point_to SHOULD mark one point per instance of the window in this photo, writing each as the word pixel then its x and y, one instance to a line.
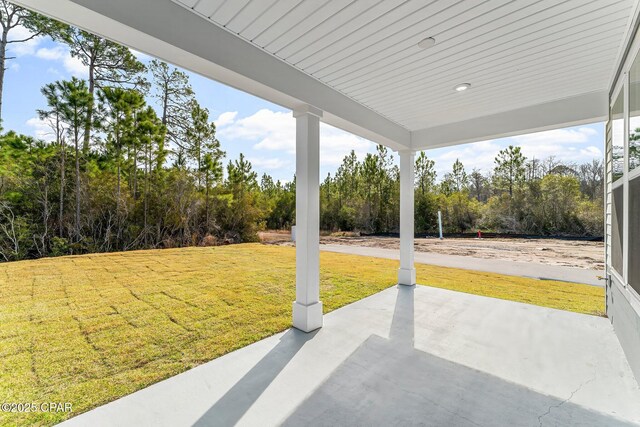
pixel 634 115
pixel 617 172
pixel 634 234
pixel 617 219
pixel 617 129
pixel 633 254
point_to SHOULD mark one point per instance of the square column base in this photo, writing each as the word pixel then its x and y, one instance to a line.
pixel 407 276
pixel 307 318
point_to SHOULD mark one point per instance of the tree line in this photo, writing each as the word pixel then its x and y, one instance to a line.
pixel 133 162
pixel 520 195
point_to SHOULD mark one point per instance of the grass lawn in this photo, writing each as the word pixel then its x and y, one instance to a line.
pixel 89 329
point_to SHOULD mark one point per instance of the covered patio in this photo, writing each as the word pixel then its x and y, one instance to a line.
pixel 410 75
pixel 405 356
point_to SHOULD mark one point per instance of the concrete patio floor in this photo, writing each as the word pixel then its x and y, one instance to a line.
pixel 405 356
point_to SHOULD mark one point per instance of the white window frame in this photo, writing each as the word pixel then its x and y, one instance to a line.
pixel 621 89
pixel 622 85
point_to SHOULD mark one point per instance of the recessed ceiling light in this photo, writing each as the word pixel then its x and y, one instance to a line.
pixel 462 87
pixel 427 43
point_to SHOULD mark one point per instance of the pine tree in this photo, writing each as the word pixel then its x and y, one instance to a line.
pixel 509 172
pixel 75 104
pixel 174 96
pixel 150 132
pixel 459 176
pixel 201 139
pixel 120 107
pixel 108 64
pixel 425 173
pixel 54 115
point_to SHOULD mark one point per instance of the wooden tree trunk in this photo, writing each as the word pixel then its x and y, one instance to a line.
pixel 3 60
pixel 118 180
pixel 77 216
pixel 89 122
pixel 135 173
pixel 146 192
pixel 62 184
pixel 207 203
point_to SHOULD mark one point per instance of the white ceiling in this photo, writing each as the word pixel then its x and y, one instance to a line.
pixel 533 64
pixel 514 53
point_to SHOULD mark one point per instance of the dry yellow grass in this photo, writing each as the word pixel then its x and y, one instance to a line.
pixel 89 329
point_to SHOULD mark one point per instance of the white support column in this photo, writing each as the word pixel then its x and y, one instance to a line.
pixel 307 308
pixel 407 272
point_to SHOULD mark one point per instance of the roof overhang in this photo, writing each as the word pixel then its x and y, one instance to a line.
pixel 172 31
pixel 167 31
pixel 578 110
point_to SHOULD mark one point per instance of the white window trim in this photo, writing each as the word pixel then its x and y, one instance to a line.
pixel 618 276
pixel 625 176
pixel 620 90
pixel 621 83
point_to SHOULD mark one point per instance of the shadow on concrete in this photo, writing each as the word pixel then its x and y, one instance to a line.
pixel 230 408
pixel 401 332
pixel 388 382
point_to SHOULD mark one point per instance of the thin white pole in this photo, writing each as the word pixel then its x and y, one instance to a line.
pixel 440 223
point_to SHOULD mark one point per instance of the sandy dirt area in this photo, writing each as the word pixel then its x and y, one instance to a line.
pixel 569 253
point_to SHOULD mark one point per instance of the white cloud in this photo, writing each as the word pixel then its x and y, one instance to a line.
pixel 40 128
pixel 591 152
pixel 557 136
pixel 477 155
pixel 335 144
pixel 51 53
pixel 15 66
pixel 56 52
pixel 565 153
pixel 276 131
pixel 24 48
pixel 73 66
pixel 226 118
pixel 55 72
pixel 269 163
pixel 566 145
pixel 268 130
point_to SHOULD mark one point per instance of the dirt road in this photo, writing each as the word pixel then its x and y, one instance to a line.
pixel 568 253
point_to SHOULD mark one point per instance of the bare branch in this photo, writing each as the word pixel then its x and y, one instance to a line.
pixel 39 33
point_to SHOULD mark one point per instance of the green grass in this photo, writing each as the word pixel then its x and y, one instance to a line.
pixel 89 329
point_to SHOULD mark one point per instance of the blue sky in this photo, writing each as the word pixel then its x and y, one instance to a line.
pixel 265 132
